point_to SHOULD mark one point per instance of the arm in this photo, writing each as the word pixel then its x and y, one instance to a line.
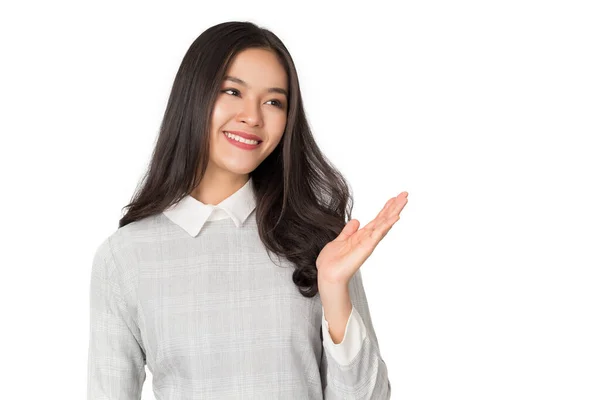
pixel 355 368
pixel 116 359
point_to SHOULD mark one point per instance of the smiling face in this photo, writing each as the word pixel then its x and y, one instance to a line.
pixel 253 100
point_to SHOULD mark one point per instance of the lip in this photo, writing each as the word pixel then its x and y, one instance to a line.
pixel 245 135
pixel 241 145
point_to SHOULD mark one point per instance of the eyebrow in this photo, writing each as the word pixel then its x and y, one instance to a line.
pixel 270 90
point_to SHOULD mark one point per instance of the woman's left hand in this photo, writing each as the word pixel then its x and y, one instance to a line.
pixel 341 258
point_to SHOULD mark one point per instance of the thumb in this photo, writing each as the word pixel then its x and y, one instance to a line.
pixel 349 229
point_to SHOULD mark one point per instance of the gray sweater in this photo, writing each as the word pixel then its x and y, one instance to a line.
pixel 192 293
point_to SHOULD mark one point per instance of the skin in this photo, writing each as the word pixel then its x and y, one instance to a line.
pixel 249 108
pixel 339 260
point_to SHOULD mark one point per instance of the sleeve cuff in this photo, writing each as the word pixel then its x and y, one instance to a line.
pixel 345 351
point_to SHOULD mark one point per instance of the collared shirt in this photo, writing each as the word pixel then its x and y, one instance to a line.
pixel 193 293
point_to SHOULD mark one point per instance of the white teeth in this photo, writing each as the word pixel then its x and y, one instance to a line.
pixel 240 139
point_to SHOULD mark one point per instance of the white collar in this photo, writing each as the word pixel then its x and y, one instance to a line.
pixel 191 214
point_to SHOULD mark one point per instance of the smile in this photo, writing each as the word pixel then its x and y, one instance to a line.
pixel 241 142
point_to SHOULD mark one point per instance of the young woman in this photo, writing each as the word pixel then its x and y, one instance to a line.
pixel 234 273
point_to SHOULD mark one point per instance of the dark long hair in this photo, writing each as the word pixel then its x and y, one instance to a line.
pixel 302 199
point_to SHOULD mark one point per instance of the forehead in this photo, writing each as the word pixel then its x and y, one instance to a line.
pixel 259 69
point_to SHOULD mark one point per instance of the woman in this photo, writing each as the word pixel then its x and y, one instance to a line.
pixel 188 284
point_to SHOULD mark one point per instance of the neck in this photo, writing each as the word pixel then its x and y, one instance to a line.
pixel 215 187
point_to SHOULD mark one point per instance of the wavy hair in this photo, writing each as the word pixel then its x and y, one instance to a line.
pixel 303 201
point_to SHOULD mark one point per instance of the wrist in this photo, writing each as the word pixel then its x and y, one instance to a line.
pixel 331 281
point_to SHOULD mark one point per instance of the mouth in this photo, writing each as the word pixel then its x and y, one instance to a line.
pixel 236 136
pixel 240 142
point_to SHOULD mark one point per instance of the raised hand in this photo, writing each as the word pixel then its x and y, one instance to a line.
pixel 341 258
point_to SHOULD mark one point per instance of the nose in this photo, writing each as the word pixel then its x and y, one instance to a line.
pixel 250 113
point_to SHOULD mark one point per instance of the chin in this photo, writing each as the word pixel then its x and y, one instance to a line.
pixel 241 170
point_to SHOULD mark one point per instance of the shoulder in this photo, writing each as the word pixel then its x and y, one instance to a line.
pixel 117 251
pixel 140 232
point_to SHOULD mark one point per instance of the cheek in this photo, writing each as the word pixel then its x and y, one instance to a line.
pixel 276 136
pixel 278 123
pixel 219 115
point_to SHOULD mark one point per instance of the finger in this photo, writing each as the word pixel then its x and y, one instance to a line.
pixel 396 204
pixel 387 206
pixel 382 215
pixel 379 232
pixel 401 201
pixel 392 207
pixel 376 222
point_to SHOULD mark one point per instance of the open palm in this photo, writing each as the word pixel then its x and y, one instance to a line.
pixel 341 258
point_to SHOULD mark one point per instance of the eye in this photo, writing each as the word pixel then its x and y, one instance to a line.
pixel 277 104
pixel 229 90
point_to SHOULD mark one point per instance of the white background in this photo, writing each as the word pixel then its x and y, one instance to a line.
pixel 487 113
